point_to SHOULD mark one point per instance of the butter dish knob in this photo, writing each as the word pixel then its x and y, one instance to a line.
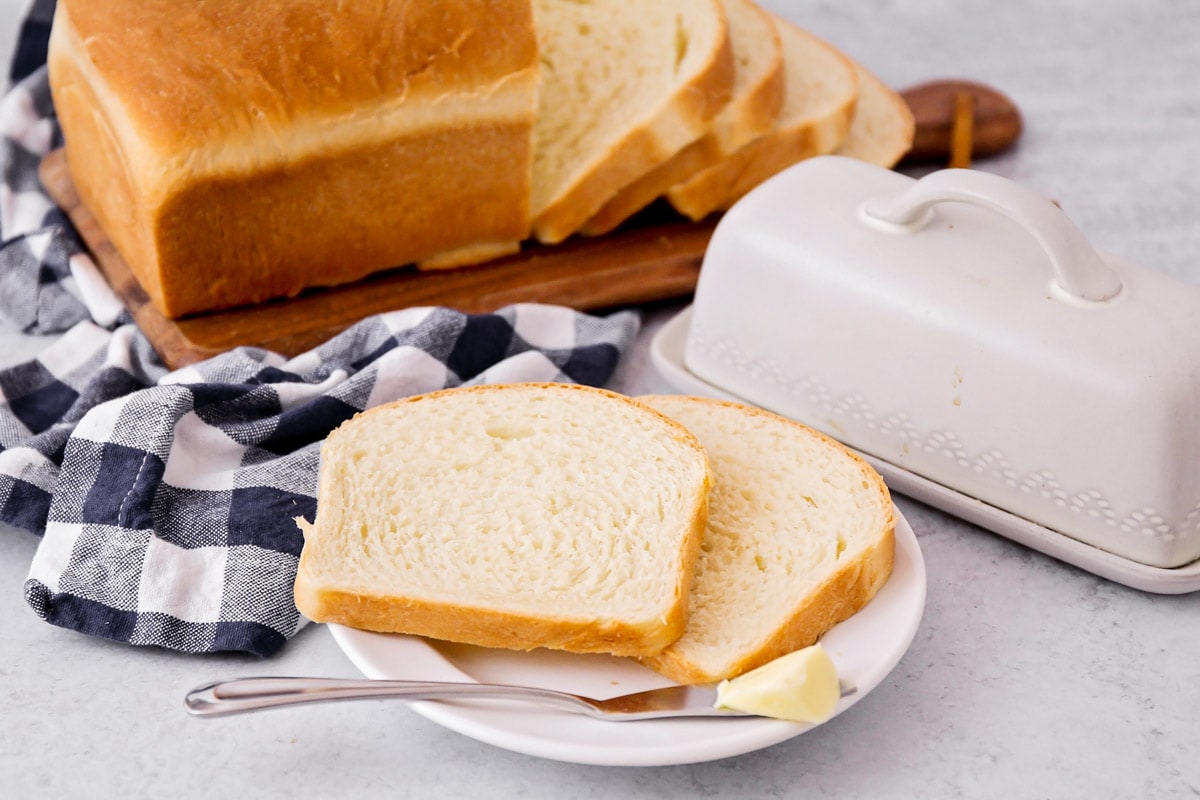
pixel 1079 270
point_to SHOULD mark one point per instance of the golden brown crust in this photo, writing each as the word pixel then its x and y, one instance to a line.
pixel 843 594
pixel 485 627
pixel 262 217
pixel 680 431
pixel 681 122
pixel 213 66
pixel 100 167
pixel 236 165
pixel 635 196
pixel 492 627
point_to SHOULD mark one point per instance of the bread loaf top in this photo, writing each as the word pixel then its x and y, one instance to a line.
pixel 228 83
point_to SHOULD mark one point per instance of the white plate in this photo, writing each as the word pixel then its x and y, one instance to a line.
pixel 667 350
pixel 865 648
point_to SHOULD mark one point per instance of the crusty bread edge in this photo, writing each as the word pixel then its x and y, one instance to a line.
pixel 855 147
pixel 679 122
pixel 745 118
pixel 754 113
pixel 721 185
pixel 492 628
pixel 839 597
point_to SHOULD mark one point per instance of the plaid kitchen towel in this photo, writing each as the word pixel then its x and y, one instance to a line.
pixel 165 500
pixel 47 281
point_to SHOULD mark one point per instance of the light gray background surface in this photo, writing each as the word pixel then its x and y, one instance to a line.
pixel 1027 678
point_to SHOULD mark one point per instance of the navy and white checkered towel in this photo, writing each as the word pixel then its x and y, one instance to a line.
pixel 165 500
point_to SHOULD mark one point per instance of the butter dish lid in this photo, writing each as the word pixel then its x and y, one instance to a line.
pixel 666 353
pixel 962 329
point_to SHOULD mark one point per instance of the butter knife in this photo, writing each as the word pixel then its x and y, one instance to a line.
pixel 223 698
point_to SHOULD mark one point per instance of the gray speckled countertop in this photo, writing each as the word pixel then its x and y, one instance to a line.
pixel 1027 677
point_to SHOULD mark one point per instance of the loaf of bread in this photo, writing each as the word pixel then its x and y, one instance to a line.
pixel 235 152
pixel 515 516
pixel 799 538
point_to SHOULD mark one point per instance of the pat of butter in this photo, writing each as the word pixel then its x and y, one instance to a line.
pixel 801 686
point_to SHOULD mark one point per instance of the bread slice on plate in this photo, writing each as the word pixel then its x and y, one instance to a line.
pixel 515 516
pixel 799 538
pixel 822 89
pixel 758 91
pixel 624 87
pixel 883 127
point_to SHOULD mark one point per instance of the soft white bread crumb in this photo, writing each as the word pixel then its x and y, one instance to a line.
pixel 758 91
pixel 822 89
pixel 518 516
pixel 799 537
pixel 623 88
pixel 883 126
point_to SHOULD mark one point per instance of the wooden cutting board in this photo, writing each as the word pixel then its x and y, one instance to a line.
pixel 657 260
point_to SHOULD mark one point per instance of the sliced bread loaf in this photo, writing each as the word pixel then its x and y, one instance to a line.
pixel 822 89
pixel 758 92
pixel 799 537
pixel 516 516
pixel 622 90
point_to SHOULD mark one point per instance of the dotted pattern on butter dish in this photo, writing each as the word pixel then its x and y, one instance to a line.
pixel 854 407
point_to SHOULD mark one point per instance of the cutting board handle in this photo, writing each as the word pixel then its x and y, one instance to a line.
pixel 1079 271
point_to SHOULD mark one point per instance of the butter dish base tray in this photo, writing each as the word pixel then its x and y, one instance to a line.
pixel 667 355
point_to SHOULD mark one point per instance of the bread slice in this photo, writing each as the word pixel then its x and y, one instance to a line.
pixel 799 537
pixel 238 152
pixel 514 516
pixel 624 88
pixel 883 127
pixel 758 92
pixel 822 89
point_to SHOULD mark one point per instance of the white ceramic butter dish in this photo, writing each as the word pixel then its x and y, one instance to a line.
pixel 960 332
